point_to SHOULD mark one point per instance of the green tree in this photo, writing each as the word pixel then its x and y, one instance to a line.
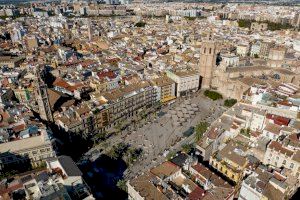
pixel 171 155
pixel 133 154
pixel 101 136
pixel 190 18
pixel 245 132
pixel 121 184
pixel 140 24
pixel 229 102
pixel 244 23
pixel 187 148
pixel 113 154
pixel 213 95
pixel 200 130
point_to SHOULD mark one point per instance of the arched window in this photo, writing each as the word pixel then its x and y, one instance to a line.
pixel 209 50
pixel 204 50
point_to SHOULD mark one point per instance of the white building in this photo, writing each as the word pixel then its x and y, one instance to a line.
pixel 278 155
pixel 255 119
pixel 186 81
pixel 255 48
pixel 229 60
pixel 242 50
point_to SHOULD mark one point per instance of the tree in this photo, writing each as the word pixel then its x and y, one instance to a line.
pixel 140 24
pixel 170 155
pixel 244 23
pixel 229 102
pixel 213 95
pixel 133 154
pixel 245 132
pixel 113 154
pixel 190 18
pixel 101 136
pixel 187 148
pixel 200 130
pixel 121 184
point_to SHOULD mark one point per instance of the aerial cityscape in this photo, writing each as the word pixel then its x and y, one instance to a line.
pixel 149 100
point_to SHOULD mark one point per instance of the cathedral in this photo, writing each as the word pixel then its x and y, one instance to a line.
pixel 234 75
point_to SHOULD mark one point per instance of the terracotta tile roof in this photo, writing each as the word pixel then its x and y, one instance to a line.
pixel 209 175
pixel 165 169
pixel 279 148
pixel 109 74
pixel 278 119
pixel 197 194
pixel 272 193
pixel 143 185
pixel 273 128
pixel 296 156
pixel 59 82
pixel 19 128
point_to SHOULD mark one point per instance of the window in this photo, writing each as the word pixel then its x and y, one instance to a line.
pixel 42 150
pixel 204 50
pixel 292 165
pixel 209 50
pixel 284 162
pixel 232 176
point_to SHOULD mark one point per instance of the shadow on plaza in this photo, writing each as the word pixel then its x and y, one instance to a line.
pixel 102 175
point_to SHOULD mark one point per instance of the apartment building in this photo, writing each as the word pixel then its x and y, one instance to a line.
pixel 59 179
pixel 255 26
pixel 186 81
pixel 278 156
pixel 10 62
pixel 165 89
pixel 265 184
pixel 36 149
pixel 83 119
pixel 129 101
pixel 255 48
pixel 242 50
pixel 255 118
pixel 231 161
pixel 265 49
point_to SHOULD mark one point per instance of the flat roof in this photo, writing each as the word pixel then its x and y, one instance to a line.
pixel 19 145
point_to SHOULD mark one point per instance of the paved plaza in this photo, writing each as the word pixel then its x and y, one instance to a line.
pixel 163 131
pixel 166 132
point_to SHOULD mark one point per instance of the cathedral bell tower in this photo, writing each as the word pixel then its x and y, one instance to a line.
pixel 208 57
pixel 42 97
